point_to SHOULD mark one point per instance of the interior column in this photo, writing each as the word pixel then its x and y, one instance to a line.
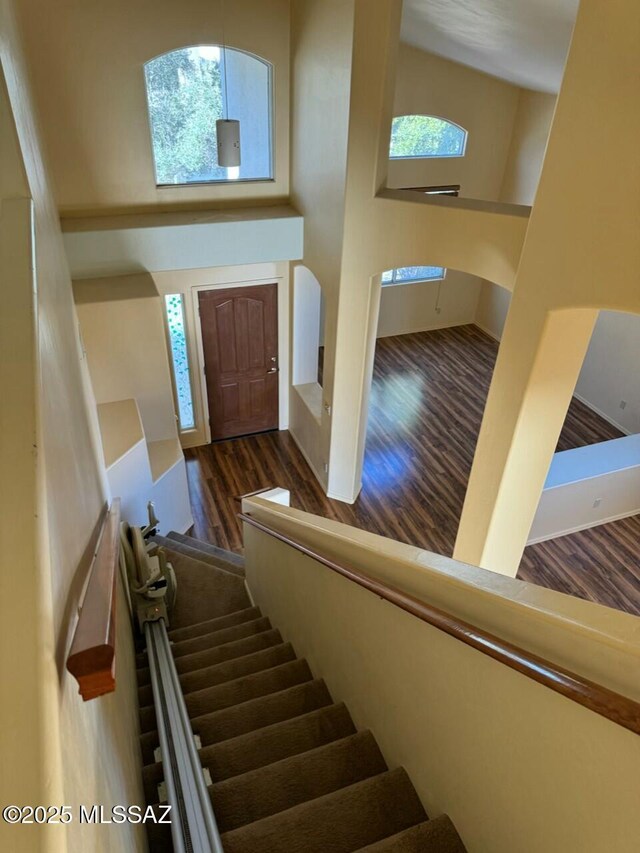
pixel 535 375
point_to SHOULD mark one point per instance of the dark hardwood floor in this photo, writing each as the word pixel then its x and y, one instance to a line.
pixel 427 400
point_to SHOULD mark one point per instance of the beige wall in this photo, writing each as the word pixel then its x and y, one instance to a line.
pixel 581 254
pixel 123 333
pixel 516 766
pixel 321 66
pixel 351 236
pixel 486 107
pixel 55 748
pixel 528 142
pixel 520 182
pixel 87 56
pixel 608 375
pixel 483 105
pixel 491 310
pixel 428 305
pixel 388 230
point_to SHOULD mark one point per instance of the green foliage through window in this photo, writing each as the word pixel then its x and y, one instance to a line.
pixel 426 136
pixel 185 95
pixel 180 359
pixel 405 275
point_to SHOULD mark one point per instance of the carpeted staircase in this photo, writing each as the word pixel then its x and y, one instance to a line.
pixel 289 770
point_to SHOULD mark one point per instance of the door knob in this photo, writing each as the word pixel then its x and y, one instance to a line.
pixel 274 370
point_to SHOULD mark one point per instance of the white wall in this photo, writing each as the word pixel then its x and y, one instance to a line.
pixel 307 303
pixel 587 486
pixel 130 477
pixel 610 374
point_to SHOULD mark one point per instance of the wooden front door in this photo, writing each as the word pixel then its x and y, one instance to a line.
pixel 240 343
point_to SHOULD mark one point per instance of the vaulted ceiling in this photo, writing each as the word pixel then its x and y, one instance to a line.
pixel 522 41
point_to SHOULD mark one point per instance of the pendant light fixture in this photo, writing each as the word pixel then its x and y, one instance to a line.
pixel 227 129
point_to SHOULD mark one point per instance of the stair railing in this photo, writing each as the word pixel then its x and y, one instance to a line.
pixel 92 657
pixel 615 707
pixel 193 823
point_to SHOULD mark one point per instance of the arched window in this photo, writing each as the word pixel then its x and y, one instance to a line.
pixel 186 94
pixel 426 136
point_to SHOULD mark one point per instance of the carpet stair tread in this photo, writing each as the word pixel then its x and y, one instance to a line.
pixel 339 822
pixel 260 712
pixel 249 716
pixel 236 692
pixel 289 772
pixel 204 591
pixel 175 546
pixel 209 626
pixel 230 634
pixel 199 679
pixel 219 654
pixel 432 836
pixel 219 638
pixel 208 548
pixel 250 751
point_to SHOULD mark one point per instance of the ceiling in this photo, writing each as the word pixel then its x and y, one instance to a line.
pixel 522 41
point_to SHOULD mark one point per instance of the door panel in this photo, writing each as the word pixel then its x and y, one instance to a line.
pixel 240 343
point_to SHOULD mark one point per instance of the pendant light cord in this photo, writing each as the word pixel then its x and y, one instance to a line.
pixel 224 60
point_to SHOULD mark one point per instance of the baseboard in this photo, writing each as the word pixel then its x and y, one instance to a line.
pixel 602 414
pixel 350 500
pixel 486 330
pixel 252 600
pixel 426 329
pixel 580 527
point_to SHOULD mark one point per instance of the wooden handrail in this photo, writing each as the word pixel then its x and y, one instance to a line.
pixel 615 707
pixel 92 659
pixel 257 492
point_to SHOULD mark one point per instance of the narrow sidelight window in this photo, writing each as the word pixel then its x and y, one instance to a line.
pixel 180 359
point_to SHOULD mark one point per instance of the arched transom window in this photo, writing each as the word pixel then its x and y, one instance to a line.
pixel 186 94
pixel 426 136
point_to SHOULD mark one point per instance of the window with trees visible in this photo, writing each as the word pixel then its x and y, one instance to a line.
pixel 426 136
pixel 407 275
pixel 186 94
pixel 180 359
